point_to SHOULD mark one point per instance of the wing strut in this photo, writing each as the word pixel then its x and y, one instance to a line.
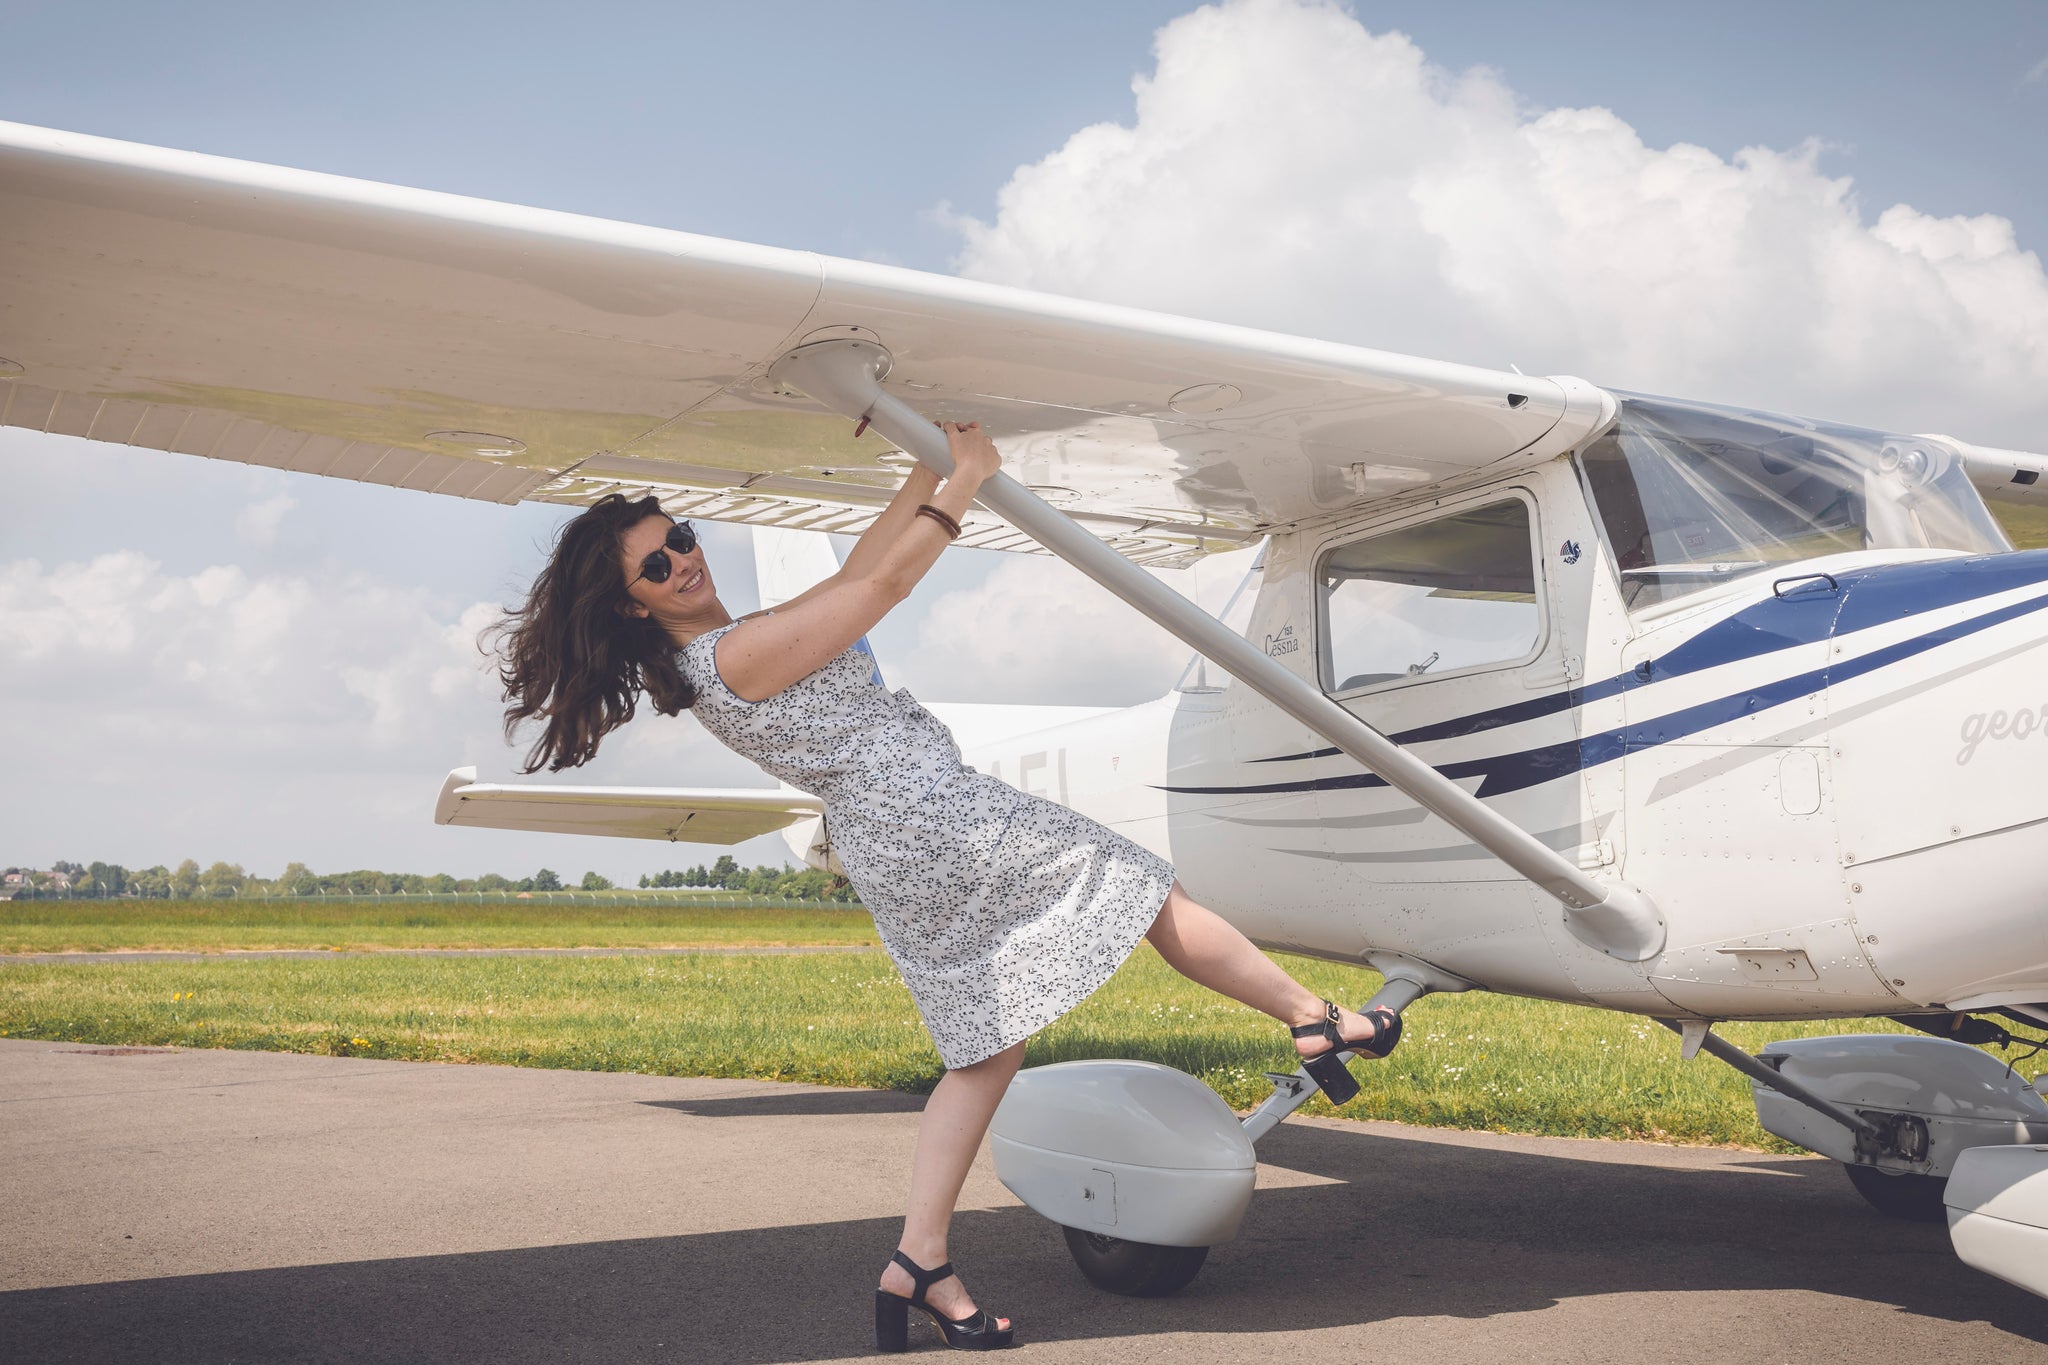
pixel 1619 920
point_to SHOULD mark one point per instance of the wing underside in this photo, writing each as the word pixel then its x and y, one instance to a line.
pixel 341 327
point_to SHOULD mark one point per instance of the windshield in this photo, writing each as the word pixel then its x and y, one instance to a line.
pixel 1692 495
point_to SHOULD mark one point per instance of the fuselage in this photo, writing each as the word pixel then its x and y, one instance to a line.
pixel 1826 773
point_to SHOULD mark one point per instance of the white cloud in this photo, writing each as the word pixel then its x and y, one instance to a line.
pixel 2036 73
pixel 151 716
pixel 1286 168
pixel 258 522
pixel 282 653
pixel 1034 631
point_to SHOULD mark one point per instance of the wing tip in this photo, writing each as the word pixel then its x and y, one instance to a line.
pixel 450 799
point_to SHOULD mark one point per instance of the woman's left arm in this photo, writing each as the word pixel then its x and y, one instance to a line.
pixel 881 533
pixel 874 542
pixel 763 655
pixel 873 545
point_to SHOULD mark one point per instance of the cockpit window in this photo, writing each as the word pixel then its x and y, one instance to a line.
pixel 1692 495
pixel 1429 599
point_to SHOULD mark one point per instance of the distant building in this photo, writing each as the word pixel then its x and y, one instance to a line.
pixel 16 880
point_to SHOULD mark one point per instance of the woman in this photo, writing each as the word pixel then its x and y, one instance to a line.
pixel 1002 911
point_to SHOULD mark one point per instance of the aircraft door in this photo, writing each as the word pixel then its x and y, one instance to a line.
pixel 1440 630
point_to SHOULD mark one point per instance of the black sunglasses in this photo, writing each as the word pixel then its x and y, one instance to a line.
pixel 682 538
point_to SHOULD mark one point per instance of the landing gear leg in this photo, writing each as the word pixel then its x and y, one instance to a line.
pixel 1291 1090
pixel 1870 1139
pixel 1906 1194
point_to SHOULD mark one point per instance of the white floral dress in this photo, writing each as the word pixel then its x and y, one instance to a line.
pixel 1002 911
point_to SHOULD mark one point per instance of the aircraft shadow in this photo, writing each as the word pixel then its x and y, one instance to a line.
pixel 1418 1229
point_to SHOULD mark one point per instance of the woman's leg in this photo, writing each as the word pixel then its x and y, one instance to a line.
pixel 955 1120
pixel 1206 949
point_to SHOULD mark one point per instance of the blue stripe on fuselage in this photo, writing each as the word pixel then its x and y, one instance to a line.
pixel 1762 628
pixel 1805 615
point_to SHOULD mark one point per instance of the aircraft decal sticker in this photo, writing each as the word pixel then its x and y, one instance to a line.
pixel 1999 726
pixel 1569 552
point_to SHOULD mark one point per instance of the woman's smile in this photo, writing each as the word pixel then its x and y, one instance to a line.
pixel 667 581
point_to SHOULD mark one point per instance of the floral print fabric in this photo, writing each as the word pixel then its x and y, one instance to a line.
pixel 1002 910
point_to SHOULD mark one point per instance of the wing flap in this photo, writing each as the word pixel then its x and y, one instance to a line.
pixel 690 815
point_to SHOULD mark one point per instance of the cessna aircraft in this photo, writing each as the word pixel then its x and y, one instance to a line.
pixel 1682 711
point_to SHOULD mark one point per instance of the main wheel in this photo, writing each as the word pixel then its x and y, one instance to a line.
pixel 1916 1198
pixel 1138 1269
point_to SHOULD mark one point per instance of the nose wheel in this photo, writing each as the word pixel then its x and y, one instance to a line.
pixel 1134 1269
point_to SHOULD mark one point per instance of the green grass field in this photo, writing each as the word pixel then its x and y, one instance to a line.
pixel 621 920
pixel 2026 527
pixel 1472 1061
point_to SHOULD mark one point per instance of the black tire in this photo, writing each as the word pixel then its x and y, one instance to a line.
pixel 1135 1269
pixel 1915 1198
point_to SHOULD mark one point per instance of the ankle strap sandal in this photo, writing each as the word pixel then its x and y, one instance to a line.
pixel 1331 1076
pixel 978 1331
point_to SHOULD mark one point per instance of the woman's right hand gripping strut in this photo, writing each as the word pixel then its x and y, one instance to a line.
pixel 762 655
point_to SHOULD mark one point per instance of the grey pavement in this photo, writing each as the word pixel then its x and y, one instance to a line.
pixel 234 1206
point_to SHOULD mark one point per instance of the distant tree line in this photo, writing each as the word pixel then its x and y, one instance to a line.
pixel 189 881
pixel 808 884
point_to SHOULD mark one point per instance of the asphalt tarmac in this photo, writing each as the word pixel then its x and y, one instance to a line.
pixel 323 954
pixel 172 1206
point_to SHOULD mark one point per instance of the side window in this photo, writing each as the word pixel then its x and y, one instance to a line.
pixel 1212 576
pixel 1455 593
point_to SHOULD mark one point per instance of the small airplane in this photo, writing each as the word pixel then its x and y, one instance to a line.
pixel 1512 683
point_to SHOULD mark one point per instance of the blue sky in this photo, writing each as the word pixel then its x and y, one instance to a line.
pixel 871 131
pixel 836 126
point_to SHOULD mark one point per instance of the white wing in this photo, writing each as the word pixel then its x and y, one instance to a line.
pixel 310 322
pixel 688 815
pixel 2013 476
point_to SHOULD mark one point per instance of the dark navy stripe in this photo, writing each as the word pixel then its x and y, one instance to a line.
pixel 1534 708
pixel 1909 589
pixel 1808 613
pixel 1515 772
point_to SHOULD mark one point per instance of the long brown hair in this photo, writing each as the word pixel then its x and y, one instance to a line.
pixel 571 654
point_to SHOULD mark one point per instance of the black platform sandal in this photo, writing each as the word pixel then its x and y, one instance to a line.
pixel 1331 1076
pixel 975 1332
